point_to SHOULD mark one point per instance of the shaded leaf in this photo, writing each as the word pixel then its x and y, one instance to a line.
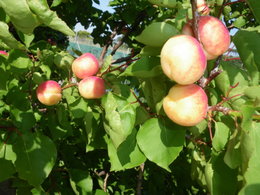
pixel 36 156
pixel 119 118
pixel 127 155
pixel 146 67
pixel 8 38
pixel 162 136
pixel 49 17
pixel 20 15
pixel 248 46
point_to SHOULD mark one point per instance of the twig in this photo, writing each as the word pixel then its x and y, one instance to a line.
pixel 69 85
pixel 140 179
pixel 230 59
pixel 221 9
pixel 203 82
pixel 105 182
pixel 195 20
pixel 109 42
pixel 238 1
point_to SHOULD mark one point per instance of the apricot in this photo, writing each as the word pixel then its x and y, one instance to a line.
pixel 186 105
pixel 213 35
pixel 3 52
pixel 92 87
pixel 49 93
pixel 183 59
pixel 85 65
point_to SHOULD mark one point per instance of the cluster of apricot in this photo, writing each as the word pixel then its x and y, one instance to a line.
pixel 90 86
pixel 184 60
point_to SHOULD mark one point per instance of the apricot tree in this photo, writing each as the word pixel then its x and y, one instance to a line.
pixel 178 115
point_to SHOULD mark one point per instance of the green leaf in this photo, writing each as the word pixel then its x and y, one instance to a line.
pixel 155 89
pixel 239 22
pixel 252 169
pixel 20 14
pixel 221 136
pixel 150 51
pixel 162 136
pixel 36 156
pixel 78 108
pixel 233 155
pixel 119 118
pixel 247 111
pixel 56 3
pixel 156 34
pixel 254 94
pixel 27 39
pixel 127 155
pixel 81 181
pixel 7 169
pixel 19 61
pixel 63 60
pixel 146 67
pixel 231 76
pixel 164 3
pixel 255 7
pixel 8 38
pixel 24 120
pixel 248 45
pixel 106 64
pixel 220 178
pixel 49 17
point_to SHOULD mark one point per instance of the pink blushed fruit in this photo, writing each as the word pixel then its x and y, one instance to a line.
pixel 213 35
pixel 49 93
pixel 3 53
pixel 85 65
pixel 186 105
pixel 183 59
pixel 92 87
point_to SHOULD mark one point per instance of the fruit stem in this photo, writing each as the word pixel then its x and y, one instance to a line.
pixel 69 85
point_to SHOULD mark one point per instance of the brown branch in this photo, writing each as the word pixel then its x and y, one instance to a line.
pixel 203 82
pixel 221 9
pixel 195 20
pixel 109 42
pixel 140 180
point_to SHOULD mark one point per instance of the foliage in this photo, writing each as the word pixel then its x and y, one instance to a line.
pixel 123 143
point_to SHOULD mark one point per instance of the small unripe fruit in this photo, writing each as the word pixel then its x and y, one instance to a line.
pixel 183 59
pixel 85 65
pixel 49 93
pixel 92 87
pixel 213 35
pixel 202 7
pixel 186 105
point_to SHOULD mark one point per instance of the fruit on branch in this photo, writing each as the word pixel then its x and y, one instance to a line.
pixel 49 93
pixel 213 34
pixel 202 7
pixel 3 53
pixel 92 87
pixel 183 59
pixel 85 65
pixel 186 105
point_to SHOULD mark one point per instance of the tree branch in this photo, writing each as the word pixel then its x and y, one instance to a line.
pixel 140 179
pixel 203 82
